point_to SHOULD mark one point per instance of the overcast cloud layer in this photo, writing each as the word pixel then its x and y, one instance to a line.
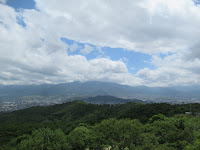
pixel 35 54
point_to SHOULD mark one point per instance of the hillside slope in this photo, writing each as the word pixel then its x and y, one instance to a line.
pixel 69 115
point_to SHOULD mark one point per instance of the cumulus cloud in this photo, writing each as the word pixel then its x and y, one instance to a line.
pixel 73 47
pixel 3 1
pixel 148 26
pixel 170 71
pixel 153 27
pixel 193 52
pixel 26 59
pixel 87 49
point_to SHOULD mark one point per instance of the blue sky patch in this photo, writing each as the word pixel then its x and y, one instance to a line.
pixel 197 2
pixel 67 41
pixel 133 60
pixel 42 39
pixel 21 22
pixel 21 4
pixel 80 46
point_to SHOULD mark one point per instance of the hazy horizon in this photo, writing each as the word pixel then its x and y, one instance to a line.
pixel 100 82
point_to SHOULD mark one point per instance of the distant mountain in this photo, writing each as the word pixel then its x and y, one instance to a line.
pixel 94 88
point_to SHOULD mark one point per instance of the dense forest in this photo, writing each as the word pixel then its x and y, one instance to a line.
pixel 78 126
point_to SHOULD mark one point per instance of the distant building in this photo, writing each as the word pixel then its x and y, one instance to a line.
pixel 190 113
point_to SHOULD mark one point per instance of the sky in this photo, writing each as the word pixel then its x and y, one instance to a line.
pixel 152 43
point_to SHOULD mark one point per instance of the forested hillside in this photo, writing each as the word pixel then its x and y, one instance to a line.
pixel 78 125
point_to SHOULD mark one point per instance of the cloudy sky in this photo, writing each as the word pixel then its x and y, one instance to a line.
pixel 131 42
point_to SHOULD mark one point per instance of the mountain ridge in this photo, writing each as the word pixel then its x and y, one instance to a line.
pixel 94 88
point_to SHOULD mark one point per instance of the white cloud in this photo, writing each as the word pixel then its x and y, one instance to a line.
pixel 74 47
pixel 26 59
pixel 146 26
pixel 3 1
pixel 87 49
pixel 194 52
pixel 171 70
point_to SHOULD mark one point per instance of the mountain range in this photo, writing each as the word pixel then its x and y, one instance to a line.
pixel 94 88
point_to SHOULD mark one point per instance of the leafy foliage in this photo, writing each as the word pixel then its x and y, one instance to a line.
pixel 78 125
pixel 42 139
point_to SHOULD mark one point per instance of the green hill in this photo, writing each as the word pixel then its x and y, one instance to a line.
pixel 96 126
